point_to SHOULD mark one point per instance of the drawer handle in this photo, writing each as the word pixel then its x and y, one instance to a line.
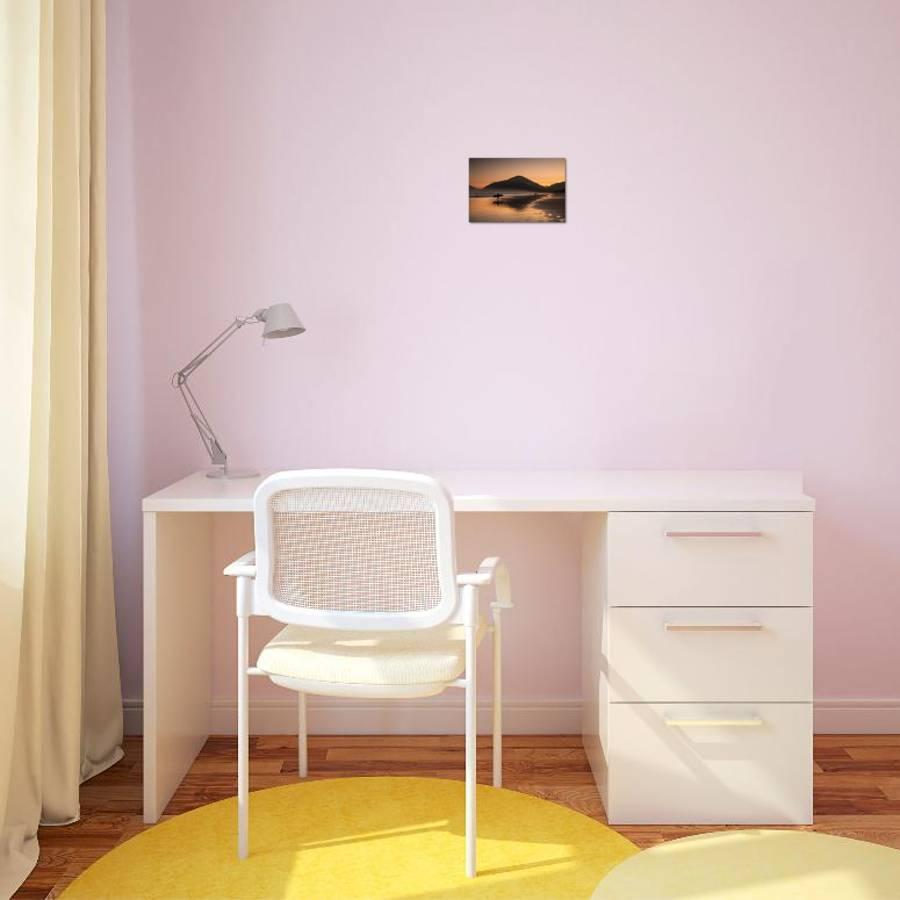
pixel 751 722
pixel 712 534
pixel 735 626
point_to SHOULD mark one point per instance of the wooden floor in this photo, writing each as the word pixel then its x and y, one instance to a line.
pixel 857 787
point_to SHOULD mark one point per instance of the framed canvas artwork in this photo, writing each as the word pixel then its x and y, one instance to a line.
pixel 517 189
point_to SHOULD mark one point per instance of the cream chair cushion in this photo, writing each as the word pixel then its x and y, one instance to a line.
pixel 378 658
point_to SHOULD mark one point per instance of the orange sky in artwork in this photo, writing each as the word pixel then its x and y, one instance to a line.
pixel 543 171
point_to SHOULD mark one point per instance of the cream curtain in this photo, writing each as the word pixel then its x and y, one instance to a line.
pixel 60 703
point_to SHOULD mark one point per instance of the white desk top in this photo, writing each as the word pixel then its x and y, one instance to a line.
pixel 546 491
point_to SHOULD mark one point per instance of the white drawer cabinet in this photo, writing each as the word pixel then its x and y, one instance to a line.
pixel 709 559
pixel 725 654
pixel 697 663
pixel 673 763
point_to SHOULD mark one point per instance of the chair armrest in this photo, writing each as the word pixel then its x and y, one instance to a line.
pixel 245 566
pixel 491 571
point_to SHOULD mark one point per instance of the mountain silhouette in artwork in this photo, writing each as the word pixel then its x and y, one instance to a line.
pixel 516 183
pixel 521 183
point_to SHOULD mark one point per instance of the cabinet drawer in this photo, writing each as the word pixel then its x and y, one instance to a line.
pixel 724 654
pixel 722 764
pixel 709 559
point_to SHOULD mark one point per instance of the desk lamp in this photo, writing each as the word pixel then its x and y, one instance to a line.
pixel 279 321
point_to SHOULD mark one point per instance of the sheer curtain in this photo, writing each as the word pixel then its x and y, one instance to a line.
pixel 60 702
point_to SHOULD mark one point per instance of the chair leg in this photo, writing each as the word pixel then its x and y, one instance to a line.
pixel 471 738
pixel 243 738
pixel 497 741
pixel 302 757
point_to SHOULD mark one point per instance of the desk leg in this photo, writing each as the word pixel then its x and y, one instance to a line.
pixel 594 650
pixel 177 588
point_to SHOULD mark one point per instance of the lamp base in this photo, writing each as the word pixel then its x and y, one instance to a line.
pixel 223 472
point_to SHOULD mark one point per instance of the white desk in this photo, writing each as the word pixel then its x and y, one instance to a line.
pixel 179 573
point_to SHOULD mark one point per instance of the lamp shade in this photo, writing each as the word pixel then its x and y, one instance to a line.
pixel 281 321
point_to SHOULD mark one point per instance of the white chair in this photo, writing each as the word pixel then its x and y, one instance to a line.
pixel 360 565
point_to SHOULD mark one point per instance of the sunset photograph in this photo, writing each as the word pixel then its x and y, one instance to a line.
pixel 517 189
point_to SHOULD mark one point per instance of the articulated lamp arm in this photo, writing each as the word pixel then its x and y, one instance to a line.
pixel 279 321
pixel 217 455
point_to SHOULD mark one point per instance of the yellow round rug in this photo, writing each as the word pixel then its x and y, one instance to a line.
pixel 757 865
pixel 363 837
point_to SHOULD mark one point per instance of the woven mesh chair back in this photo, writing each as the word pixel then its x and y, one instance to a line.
pixel 354 549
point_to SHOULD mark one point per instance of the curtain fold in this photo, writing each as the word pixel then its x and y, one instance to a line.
pixel 60 700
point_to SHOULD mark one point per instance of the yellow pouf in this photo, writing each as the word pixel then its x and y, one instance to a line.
pixel 757 865
pixel 363 837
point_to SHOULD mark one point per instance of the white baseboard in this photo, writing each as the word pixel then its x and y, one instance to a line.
pixel 334 716
pixel 857 716
pixel 443 716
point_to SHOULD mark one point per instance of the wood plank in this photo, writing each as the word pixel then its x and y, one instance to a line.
pixel 890 787
pixel 880 753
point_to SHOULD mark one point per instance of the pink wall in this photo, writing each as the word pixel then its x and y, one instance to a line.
pixel 725 294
